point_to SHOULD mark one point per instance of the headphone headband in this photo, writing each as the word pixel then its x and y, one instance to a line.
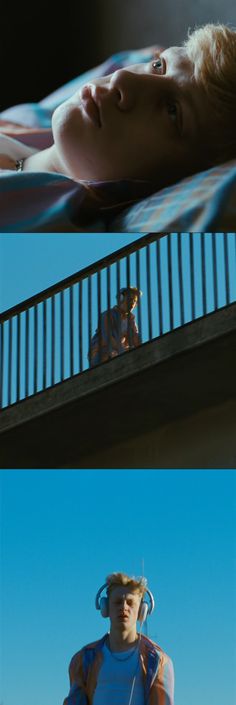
pixel 150 607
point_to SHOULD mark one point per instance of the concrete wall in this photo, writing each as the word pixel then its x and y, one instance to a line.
pixel 204 440
pixel 123 24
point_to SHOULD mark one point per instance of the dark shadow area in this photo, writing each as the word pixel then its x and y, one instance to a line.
pixel 44 46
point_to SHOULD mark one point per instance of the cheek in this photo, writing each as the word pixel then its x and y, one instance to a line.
pixel 67 128
pixel 84 151
pixel 127 147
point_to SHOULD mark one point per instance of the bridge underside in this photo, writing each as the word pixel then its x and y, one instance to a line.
pixel 172 377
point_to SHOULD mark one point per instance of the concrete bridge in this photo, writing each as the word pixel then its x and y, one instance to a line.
pixel 171 403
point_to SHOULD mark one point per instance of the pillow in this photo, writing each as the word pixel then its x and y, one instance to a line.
pixel 203 202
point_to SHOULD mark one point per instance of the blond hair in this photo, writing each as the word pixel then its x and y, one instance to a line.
pixel 136 584
pixel 212 49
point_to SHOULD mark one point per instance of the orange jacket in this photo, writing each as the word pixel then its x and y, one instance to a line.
pixel 157 669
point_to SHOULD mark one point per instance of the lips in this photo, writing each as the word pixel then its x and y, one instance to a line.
pixel 90 106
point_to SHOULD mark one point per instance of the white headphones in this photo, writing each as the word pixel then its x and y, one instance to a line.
pixel 102 604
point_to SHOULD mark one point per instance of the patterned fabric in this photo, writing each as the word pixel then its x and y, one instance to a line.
pixel 111 339
pixel 157 670
pixel 203 202
pixel 40 202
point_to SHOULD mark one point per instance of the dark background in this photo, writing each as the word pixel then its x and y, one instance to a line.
pixel 42 46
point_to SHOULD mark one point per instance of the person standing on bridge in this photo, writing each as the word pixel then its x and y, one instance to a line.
pixel 117 331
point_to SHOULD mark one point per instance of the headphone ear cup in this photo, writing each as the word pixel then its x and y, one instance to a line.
pixel 143 611
pixel 104 606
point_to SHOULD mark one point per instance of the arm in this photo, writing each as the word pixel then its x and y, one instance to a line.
pixel 108 331
pixel 77 693
pixel 162 691
pixel 136 340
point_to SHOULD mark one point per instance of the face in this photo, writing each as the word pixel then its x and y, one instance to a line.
pixel 128 303
pixel 144 122
pixel 123 607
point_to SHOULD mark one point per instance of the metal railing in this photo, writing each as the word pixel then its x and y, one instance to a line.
pixel 46 339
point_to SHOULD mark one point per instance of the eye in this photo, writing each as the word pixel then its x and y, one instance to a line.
pixel 159 65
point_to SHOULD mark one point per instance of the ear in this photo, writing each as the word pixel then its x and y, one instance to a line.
pixel 104 606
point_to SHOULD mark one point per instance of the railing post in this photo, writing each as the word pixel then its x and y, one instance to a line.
pixel 117 293
pixel 192 283
pixel 35 348
pixel 214 268
pixel 71 331
pixel 170 283
pixel 18 356
pixel 89 317
pixel 108 282
pixel 203 268
pixel 226 263
pixel 1 363
pixel 52 340
pixel 149 298
pixel 129 299
pixel 62 334
pixel 81 326
pixel 139 287
pixel 180 277
pixel 27 353
pixel 159 285
pixel 9 361
pixel 44 344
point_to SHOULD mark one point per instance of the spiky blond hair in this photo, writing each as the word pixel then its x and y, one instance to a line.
pixel 212 49
pixel 136 584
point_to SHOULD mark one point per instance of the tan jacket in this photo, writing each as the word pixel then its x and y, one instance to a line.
pixel 157 667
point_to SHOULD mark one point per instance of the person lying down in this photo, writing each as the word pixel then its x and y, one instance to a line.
pixel 159 121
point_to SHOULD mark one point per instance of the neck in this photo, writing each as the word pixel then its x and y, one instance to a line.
pixel 123 312
pixel 122 641
pixel 45 160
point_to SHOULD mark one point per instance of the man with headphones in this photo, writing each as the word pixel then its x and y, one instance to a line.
pixel 117 331
pixel 124 667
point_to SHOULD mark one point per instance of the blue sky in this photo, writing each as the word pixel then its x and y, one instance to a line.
pixel 30 263
pixel 64 531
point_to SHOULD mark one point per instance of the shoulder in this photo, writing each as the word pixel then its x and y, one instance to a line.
pixel 109 312
pixel 151 647
pixel 160 669
pixel 14 145
pixel 77 659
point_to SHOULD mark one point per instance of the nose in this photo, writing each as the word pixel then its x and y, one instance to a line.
pixel 126 85
pixel 137 86
pixel 124 603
